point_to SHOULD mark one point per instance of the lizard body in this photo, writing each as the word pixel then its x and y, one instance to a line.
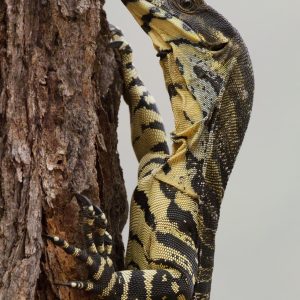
pixel 176 206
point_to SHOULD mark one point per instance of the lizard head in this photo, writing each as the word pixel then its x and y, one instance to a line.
pixel 199 49
pixel 193 20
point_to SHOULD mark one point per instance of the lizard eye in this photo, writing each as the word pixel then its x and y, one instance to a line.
pixel 187 5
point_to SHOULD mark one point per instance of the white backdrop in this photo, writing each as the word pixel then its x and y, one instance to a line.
pixel 258 242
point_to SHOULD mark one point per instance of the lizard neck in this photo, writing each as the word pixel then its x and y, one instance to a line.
pixel 186 109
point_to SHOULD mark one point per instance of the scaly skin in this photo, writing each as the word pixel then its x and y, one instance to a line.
pixel 176 206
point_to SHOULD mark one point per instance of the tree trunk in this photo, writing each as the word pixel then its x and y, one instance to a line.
pixel 59 99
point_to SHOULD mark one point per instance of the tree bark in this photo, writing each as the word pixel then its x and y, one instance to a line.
pixel 59 98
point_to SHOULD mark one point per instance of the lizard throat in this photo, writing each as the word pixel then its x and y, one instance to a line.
pixel 186 109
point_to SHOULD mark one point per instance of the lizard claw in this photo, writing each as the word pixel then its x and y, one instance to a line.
pixel 85 203
pixel 98 248
pixel 115 30
pixel 117 40
pixel 116 44
pixel 81 285
pixel 82 200
pixel 51 238
pixel 72 284
pixel 68 284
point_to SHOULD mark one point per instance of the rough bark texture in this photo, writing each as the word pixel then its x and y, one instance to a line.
pixel 59 98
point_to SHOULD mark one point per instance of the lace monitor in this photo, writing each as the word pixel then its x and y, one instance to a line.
pixel 176 205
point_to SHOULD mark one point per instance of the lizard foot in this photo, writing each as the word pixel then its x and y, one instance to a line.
pixel 97 256
pixel 117 40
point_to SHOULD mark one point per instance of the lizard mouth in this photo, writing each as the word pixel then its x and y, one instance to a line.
pixel 215 47
pixel 218 47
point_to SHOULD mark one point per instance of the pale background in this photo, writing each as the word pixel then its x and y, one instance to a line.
pixel 258 242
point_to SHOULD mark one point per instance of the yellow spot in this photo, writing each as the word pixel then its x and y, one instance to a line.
pixel 89 261
pixel 109 262
pixel 76 252
pixel 101 249
pixel 90 222
pixel 90 286
pixel 93 249
pixel 65 245
pixel 175 287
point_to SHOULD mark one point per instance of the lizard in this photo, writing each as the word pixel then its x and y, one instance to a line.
pixel 175 207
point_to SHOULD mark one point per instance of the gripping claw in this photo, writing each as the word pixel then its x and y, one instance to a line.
pixel 68 284
pixel 116 44
pixel 72 284
pixel 115 30
pixel 82 200
pixel 98 247
pixel 118 41
pixel 51 238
